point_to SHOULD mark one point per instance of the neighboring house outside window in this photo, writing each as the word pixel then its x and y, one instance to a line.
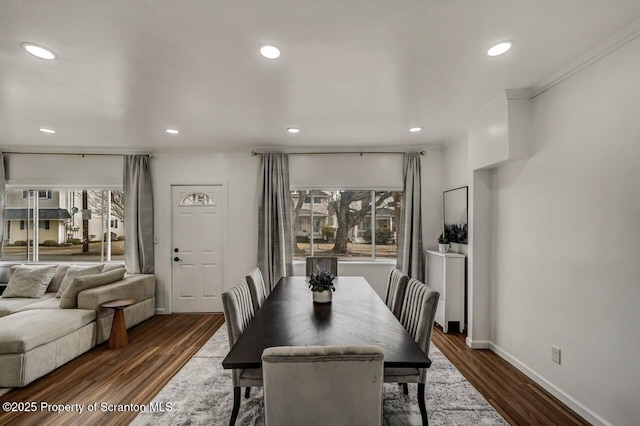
pixel 61 222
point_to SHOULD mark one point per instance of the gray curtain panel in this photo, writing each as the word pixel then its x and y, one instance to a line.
pixel 274 219
pixel 3 199
pixel 410 255
pixel 138 215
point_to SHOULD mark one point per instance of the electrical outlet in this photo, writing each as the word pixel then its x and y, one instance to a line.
pixel 555 354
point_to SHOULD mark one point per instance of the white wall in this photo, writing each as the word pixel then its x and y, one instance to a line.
pixel 490 133
pixel 566 242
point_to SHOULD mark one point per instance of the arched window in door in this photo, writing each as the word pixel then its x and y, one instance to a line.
pixel 197 199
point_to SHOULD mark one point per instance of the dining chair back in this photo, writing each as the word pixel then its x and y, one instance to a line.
pixel 419 312
pixel 256 288
pixel 394 294
pixel 238 312
pixel 417 316
pixel 319 263
pixel 323 385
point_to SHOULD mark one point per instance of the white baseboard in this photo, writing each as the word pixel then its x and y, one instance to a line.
pixel 477 344
pixel 161 311
pixel 564 397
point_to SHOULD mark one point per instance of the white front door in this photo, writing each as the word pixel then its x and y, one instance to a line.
pixel 197 224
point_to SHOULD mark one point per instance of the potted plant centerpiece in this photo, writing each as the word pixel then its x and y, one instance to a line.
pixel 321 285
pixel 443 243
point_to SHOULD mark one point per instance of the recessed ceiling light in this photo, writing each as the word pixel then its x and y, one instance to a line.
pixel 45 130
pixel 172 131
pixel 500 48
pixel 415 129
pixel 293 130
pixel 39 51
pixel 269 51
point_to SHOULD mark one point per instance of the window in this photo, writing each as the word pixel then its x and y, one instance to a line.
pixel 356 225
pixel 197 199
pixel 41 194
pixel 63 225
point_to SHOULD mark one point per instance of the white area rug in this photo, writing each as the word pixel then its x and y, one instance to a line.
pixel 202 394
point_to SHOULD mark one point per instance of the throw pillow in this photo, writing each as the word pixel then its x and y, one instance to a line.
pixel 111 266
pixel 77 271
pixel 70 297
pixel 61 271
pixel 29 281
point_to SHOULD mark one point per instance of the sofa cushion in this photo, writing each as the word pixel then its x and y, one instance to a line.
pixel 77 271
pixel 111 266
pixel 23 331
pixel 61 271
pixel 50 302
pixel 8 306
pixel 29 281
pixel 69 298
pixel 138 286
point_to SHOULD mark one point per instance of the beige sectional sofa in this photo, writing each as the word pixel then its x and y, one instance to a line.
pixel 37 335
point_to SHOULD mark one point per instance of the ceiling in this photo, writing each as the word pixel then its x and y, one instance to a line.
pixel 352 73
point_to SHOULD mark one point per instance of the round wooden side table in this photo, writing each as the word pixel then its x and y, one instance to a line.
pixel 118 338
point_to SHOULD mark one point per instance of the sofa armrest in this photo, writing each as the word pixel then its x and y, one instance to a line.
pixel 140 287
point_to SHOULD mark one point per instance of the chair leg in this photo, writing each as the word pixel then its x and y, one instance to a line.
pixel 422 404
pixel 247 392
pixel 405 388
pixel 236 405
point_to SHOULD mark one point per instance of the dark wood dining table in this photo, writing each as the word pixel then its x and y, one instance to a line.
pixel 356 316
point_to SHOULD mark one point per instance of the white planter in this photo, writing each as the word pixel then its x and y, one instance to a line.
pixel 322 296
pixel 443 248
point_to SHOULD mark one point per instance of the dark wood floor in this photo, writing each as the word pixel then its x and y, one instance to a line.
pixel 515 396
pixel 159 347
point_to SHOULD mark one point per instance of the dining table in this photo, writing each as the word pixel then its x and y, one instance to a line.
pixel 355 316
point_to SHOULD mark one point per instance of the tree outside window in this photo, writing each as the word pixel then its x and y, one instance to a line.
pixel 348 224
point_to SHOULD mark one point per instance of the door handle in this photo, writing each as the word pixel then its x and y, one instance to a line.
pixel 176 259
pixel 176 249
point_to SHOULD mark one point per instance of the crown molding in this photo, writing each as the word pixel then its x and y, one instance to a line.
pixel 625 36
pixel 518 93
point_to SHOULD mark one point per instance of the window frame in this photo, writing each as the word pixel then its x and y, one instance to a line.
pixel 373 258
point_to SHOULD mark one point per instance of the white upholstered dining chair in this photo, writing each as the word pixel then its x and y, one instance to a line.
pixel 238 312
pixel 323 385
pixel 417 316
pixel 394 293
pixel 256 288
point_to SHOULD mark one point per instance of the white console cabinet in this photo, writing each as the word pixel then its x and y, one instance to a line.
pixel 445 273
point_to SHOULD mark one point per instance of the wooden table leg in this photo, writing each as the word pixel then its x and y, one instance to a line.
pixel 118 338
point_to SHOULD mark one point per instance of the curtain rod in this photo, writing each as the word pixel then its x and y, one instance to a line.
pixel 150 155
pixel 360 153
